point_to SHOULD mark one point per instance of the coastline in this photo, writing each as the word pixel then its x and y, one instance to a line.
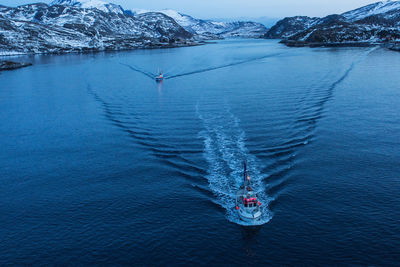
pixel 97 50
pixel 395 48
pixel 11 65
pixel 6 65
pixel 292 43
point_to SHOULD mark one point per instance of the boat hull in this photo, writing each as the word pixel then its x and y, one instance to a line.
pixel 249 218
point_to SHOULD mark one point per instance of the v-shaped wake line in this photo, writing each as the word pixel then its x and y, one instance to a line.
pixel 145 73
pixel 303 127
pixel 313 108
pixel 222 66
pixel 130 124
pixel 152 75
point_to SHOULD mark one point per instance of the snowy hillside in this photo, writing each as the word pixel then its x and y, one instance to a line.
pixel 181 19
pixel 386 8
pixel 39 28
pixel 373 23
pixel 101 5
pixel 289 26
pixel 209 28
pixel 204 29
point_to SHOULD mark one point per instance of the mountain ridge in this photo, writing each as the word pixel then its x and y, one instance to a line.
pixel 40 28
pixel 204 29
pixel 101 5
pixel 375 23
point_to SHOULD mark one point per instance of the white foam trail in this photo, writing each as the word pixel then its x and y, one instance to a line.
pixel 225 151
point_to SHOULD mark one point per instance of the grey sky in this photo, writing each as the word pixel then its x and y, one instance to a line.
pixel 235 8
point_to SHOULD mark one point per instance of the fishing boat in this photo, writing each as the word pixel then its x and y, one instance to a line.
pixel 247 204
pixel 159 77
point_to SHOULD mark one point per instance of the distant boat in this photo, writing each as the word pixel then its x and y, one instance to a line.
pixel 247 204
pixel 160 77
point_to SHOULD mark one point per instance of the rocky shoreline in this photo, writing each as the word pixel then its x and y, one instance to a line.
pixel 293 43
pixel 10 65
pixel 395 48
pixel 126 47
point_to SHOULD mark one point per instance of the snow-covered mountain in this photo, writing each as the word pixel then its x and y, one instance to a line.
pixel 39 28
pixel 388 9
pixel 208 28
pixel 101 5
pixel 372 23
pixel 185 21
pixel 203 29
pixel 289 26
pixel 224 29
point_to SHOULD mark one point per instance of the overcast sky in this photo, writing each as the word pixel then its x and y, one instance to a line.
pixel 235 8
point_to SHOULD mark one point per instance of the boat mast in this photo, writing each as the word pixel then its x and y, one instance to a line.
pixel 244 173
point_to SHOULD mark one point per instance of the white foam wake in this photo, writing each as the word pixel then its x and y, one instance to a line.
pixel 225 151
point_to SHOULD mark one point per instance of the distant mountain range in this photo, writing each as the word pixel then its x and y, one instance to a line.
pixel 265 20
pixel 95 25
pixel 203 29
pixel 369 24
pixel 214 29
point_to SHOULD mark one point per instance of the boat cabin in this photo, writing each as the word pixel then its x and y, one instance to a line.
pixel 250 200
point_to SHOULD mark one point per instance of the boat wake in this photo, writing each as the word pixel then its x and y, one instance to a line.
pixel 225 151
pixel 313 104
pixel 224 141
pixel 225 148
pixel 119 112
pixel 311 109
pixel 170 75
pixel 222 66
pixel 139 70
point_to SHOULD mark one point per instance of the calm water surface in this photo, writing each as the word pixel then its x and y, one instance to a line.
pixel 101 165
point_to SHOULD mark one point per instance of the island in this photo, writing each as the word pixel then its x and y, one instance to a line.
pixel 10 65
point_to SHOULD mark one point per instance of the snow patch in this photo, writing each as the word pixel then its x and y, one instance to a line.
pixel 373 9
pixel 98 4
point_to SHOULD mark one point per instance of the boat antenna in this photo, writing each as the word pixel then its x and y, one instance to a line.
pixel 244 172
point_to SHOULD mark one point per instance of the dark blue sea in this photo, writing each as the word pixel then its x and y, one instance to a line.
pixel 100 165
